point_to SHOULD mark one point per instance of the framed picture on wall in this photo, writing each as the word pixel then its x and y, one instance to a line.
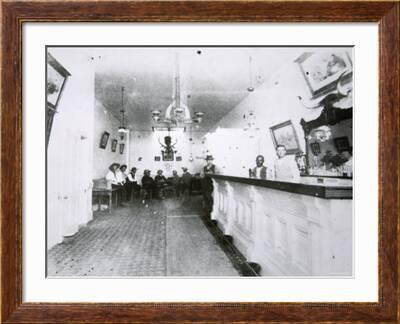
pixel 114 145
pixel 179 158
pixel 341 143
pixel 157 158
pixel 315 148
pixel 321 70
pixel 104 140
pixel 57 76
pixel 168 155
pixel 285 134
pixel 121 148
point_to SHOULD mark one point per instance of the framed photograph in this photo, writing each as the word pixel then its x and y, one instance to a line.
pixel 342 143
pixel 168 155
pixel 121 148
pixel 179 159
pixel 322 69
pixel 56 78
pixel 285 134
pixel 31 295
pixel 157 158
pixel 104 140
pixel 315 148
pixel 114 144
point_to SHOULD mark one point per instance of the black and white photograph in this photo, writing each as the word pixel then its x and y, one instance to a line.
pixel 206 161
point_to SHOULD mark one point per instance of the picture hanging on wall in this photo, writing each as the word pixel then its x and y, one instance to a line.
pixel 121 148
pixel 114 145
pixel 157 158
pixel 179 158
pixel 315 148
pixel 342 144
pixel 321 70
pixel 104 140
pixel 285 134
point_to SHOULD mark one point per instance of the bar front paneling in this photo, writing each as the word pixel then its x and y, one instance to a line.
pixel 296 229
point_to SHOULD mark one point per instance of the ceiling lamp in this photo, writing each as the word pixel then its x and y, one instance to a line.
pixel 177 112
pixel 251 87
pixel 122 129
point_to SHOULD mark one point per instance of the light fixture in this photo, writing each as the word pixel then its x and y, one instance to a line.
pixel 251 87
pixel 177 113
pixel 122 129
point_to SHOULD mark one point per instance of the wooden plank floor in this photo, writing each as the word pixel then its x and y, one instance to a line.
pixel 161 238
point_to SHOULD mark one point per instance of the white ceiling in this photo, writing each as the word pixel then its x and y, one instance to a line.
pixel 214 80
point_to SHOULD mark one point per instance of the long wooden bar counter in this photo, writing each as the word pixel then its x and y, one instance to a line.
pixel 289 229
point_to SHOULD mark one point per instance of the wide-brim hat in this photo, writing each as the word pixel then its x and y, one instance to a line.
pixel 209 157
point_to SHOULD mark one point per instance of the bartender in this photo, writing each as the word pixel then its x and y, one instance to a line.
pixel 285 166
pixel 260 171
pixel 207 184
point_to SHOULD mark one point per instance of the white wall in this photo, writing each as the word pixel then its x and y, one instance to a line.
pixel 70 149
pixel 105 121
pixel 274 102
pixel 145 145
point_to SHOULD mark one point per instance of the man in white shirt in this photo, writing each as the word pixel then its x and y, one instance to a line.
pixel 120 174
pixel 285 166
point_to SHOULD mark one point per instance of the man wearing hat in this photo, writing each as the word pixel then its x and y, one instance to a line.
pixel 209 167
pixel 148 185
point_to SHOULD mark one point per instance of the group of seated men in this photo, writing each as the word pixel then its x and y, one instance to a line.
pixel 148 188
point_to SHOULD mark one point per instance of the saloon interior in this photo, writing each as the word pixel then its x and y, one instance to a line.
pixel 207 113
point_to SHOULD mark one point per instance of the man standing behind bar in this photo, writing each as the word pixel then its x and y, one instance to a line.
pixel 285 166
pixel 260 171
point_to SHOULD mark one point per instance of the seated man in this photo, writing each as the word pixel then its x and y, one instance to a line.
pixel 148 185
pixel 121 176
pixel 161 184
pixel 132 183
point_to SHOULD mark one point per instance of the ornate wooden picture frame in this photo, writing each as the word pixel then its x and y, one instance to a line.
pixel 285 134
pixel 104 140
pixel 16 13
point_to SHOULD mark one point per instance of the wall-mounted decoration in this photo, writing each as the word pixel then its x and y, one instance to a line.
pixel 315 148
pixel 321 70
pixel 139 159
pixel 167 155
pixel 121 148
pixel 285 134
pixel 179 158
pixel 342 143
pixel 168 149
pixel 55 79
pixel 157 158
pixel 114 143
pixel 104 140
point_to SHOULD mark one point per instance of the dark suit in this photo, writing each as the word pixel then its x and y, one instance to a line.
pixel 263 172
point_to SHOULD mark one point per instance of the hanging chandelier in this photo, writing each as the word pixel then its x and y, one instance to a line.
pixel 122 129
pixel 177 113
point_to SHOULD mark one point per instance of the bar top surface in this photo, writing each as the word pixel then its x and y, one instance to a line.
pixel 330 189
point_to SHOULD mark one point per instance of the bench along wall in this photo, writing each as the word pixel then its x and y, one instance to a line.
pixel 288 229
